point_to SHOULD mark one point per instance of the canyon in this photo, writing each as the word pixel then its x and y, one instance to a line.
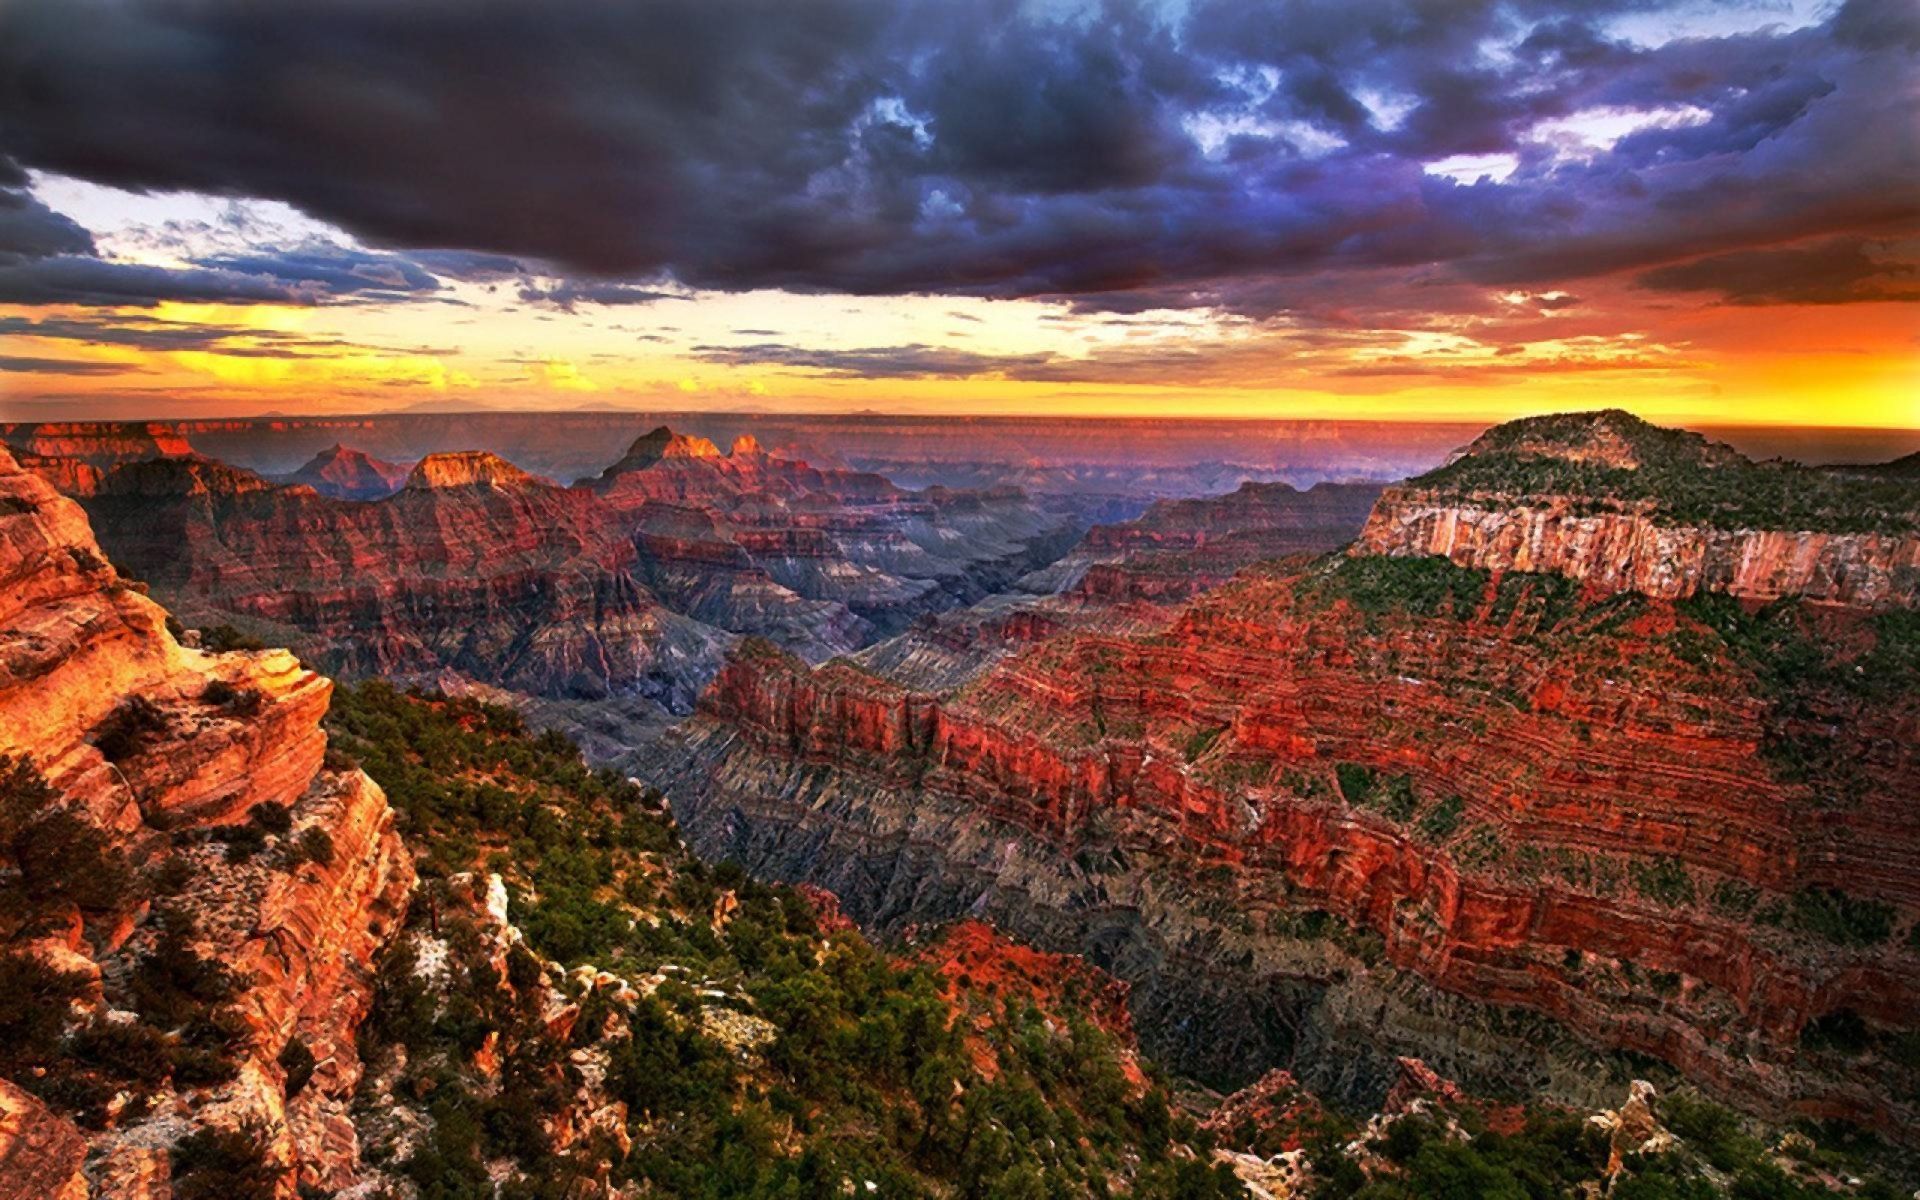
pixel 1512 813
pixel 473 571
pixel 1538 774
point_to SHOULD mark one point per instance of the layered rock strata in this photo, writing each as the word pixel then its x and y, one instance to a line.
pixel 1382 805
pixel 1626 507
pixel 219 739
pixel 473 568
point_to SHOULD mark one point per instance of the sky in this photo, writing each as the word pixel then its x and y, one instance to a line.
pixel 1707 213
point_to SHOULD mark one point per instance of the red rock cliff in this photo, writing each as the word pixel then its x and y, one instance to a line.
pixel 218 739
pixel 1597 812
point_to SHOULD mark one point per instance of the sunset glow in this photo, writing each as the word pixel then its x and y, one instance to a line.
pixel 1709 214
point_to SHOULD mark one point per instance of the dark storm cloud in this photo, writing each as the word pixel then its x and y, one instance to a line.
pixel 565 294
pixel 138 331
pixel 59 366
pixel 76 279
pixel 1839 271
pixel 1111 150
pixel 29 229
pixel 914 361
pixel 331 270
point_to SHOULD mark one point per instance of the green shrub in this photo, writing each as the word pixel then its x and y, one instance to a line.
pixel 174 983
pixel 222 638
pixel 1356 782
pixel 34 999
pixel 1442 821
pixel 298 1062
pixel 1663 880
pixel 315 845
pixel 129 728
pixel 1839 918
pixel 241 701
pixel 65 859
pixel 224 1164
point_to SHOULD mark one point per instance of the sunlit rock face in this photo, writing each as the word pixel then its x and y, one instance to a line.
pixel 157 745
pixel 473 568
pixel 1623 506
pixel 466 469
pixel 1377 804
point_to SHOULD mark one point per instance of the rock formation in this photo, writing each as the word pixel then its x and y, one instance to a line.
pixel 1377 805
pixel 820 560
pixel 474 568
pixel 152 755
pixel 466 469
pixel 100 444
pixel 1178 548
pixel 1624 506
pixel 69 476
pixel 348 474
pixel 477 573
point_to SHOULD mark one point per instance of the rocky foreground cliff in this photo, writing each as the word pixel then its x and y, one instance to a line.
pixel 194 900
pixel 1510 820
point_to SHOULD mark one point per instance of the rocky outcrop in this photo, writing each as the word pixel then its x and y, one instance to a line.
pixel 466 469
pixel 348 474
pixel 162 748
pixel 1622 506
pixel 69 476
pixel 1635 552
pixel 101 444
pixel 474 568
pixel 40 1151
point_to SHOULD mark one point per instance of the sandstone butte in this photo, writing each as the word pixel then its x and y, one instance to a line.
pixel 1379 804
pixel 77 645
pixel 345 473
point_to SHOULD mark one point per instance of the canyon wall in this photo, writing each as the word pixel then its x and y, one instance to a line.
pixel 1638 552
pixel 473 568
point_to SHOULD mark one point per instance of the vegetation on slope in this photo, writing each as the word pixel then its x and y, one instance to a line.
pixel 1453 1152
pixel 1680 477
pixel 181 1030
pixel 859 1077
